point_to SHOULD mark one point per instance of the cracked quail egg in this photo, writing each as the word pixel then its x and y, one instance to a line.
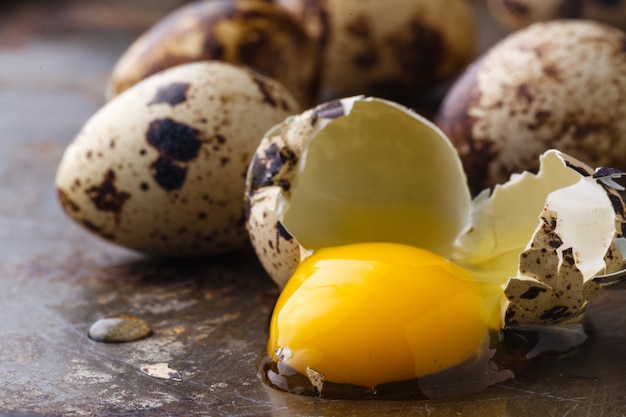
pixel 254 33
pixel 394 278
pixel 393 49
pixel 161 168
pixel 517 14
pixel 556 85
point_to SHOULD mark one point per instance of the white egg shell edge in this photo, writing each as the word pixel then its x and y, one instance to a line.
pixel 568 255
pixel 280 158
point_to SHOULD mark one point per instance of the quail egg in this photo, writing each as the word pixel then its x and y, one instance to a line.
pixel 391 49
pixel 360 210
pixel 517 14
pixel 556 85
pixel 254 33
pixel 161 168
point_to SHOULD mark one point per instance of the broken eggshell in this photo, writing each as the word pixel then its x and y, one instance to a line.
pixel 160 169
pixel 253 33
pixel 353 170
pixel 393 49
pixel 369 170
pixel 556 85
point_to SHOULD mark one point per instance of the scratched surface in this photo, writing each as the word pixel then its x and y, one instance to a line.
pixel 209 316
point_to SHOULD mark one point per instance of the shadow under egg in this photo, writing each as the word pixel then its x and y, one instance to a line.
pixel 503 355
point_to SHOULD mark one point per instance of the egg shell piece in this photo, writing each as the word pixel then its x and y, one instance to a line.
pixel 554 85
pixel 504 220
pixel 161 168
pixel 253 33
pixel 353 170
pixel 558 260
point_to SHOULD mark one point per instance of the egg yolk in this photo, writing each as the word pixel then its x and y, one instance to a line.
pixel 371 313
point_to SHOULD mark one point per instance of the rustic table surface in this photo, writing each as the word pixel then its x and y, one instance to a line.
pixel 209 316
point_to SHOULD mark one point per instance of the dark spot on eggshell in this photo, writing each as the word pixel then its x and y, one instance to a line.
pixel 174 140
pixel 105 196
pixel 265 167
pixel 282 232
pixel 607 172
pixel 97 229
pixel 581 170
pixel 330 110
pixel 360 27
pixel 555 314
pixel 172 94
pixel 366 59
pixel 168 175
pixel 541 118
pixel 262 85
pixel 418 49
pixel 523 92
pixel 532 293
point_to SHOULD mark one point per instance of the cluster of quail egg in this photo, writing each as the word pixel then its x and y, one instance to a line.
pixel 161 167
pixel 224 98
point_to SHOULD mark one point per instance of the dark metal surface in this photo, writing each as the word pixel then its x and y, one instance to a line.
pixel 209 317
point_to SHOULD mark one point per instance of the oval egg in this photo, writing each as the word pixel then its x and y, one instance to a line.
pixel 161 168
pixel 555 85
pixel 392 49
pixel 253 33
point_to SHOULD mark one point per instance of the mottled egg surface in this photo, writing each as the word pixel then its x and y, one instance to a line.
pixel 391 49
pixel 253 33
pixel 554 85
pixel 161 168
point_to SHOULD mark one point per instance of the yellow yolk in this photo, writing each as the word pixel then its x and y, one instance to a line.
pixel 371 313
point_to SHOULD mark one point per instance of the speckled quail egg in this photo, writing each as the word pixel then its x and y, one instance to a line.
pixel 391 49
pixel 161 167
pixel 517 14
pixel 361 210
pixel 254 33
pixel 557 85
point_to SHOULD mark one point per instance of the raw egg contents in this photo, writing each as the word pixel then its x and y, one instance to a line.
pixel 373 313
pixel 466 294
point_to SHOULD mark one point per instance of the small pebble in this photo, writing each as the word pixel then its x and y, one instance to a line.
pixel 119 329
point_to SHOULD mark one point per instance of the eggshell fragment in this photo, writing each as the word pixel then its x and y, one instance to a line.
pixel 254 33
pixel 557 85
pixel 353 170
pixel 560 262
pixel 391 49
pixel 161 168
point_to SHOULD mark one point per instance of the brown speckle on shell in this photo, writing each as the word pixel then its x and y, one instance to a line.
pixel 176 160
pixel 252 33
pixel 105 196
pixel 394 50
pixel 556 85
pixel 172 94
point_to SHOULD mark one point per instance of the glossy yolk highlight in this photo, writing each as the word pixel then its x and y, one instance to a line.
pixel 367 314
